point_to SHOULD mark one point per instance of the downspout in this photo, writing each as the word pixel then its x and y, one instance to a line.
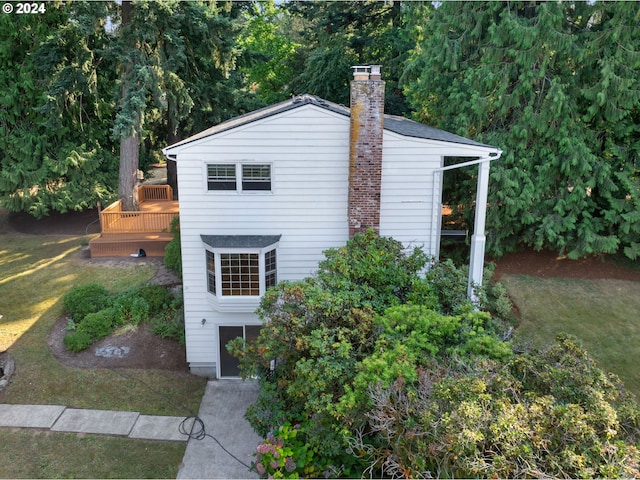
pixel 478 239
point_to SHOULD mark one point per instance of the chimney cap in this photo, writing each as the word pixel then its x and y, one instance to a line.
pixel 366 72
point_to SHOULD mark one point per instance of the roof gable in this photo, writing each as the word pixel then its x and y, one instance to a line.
pixel 399 125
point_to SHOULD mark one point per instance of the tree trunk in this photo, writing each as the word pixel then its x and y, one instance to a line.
pixel 172 137
pixel 130 145
pixel 128 179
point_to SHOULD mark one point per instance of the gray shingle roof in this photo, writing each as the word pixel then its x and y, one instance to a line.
pixel 392 123
pixel 240 241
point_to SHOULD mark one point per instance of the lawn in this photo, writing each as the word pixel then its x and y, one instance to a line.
pixel 35 274
pixel 603 314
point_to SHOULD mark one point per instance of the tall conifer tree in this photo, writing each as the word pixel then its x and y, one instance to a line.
pixel 556 86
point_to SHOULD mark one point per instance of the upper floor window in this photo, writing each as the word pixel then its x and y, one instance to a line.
pixel 253 177
pixel 256 177
pixel 221 177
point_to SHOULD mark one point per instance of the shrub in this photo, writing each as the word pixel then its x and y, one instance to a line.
pixel 170 325
pixel 77 341
pixel 130 308
pixel 173 252
pixel 99 324
pixel 85 299
pixel 449 285
pixel 158 298
pixel 286 454
pixel 378 269
pixel 545 414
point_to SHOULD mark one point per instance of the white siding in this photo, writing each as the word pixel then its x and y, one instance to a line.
pixel 308 151
pixel 411 195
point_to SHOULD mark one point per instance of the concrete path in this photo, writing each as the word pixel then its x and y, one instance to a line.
pixel 227 450
pixel 220 444
pixel 126 424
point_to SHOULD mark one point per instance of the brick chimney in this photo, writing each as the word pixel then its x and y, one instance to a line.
pixel 365 153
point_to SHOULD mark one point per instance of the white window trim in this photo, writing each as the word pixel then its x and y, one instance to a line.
pixel 238 190
pixel 237 302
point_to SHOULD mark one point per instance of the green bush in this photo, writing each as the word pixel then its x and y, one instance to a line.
pixel 85 299
pixel 170 325
pixel 286 454
pixel 77 341
pixel 449 285
pixel 158 298
pixel 95 314
pixel 544 414
pixel 99 324
pixel 131 308
pixel 173 252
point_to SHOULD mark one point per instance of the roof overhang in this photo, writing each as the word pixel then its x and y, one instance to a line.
pixel 240 241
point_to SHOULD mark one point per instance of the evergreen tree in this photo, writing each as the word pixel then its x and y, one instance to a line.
pixel 56 151
pixel 338 35
pixel 88 82
pixel 555 85
pixel 175 56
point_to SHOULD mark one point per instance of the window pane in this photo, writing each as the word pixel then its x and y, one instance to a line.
pixel 270 268
pixel 240 274
pixel 221 177
pixel 211 272
pixel 256 177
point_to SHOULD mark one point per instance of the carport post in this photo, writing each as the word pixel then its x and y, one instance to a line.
pixel 478 239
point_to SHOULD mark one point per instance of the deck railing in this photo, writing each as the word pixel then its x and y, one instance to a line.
pixel 114 220
pixel 155 192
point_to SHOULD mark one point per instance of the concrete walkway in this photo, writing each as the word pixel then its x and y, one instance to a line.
pixel 220 444
pixel 228 449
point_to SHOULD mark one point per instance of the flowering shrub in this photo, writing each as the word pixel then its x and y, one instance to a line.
pixel 285 454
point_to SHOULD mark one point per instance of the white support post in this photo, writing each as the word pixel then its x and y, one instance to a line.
pixel 478 239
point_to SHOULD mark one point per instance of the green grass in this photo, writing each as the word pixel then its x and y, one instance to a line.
pixel 38 454
pixel 603 314
pixel 35 274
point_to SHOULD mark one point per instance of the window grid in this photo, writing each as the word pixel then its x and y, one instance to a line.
pixel 211 272
pixel 270 269
pixel 256 177
pixel 240 274
pixel 221 177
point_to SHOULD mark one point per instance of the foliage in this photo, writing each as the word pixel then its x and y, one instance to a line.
pixel 337 35
pixel 269 52
pixel 99 324
pixel 77 341
pixel 285 454
pixel 376 270
pixel 56 150
pixel 81 76
pixel 96 314
pixel 85 299
pixel 322 342
pixel 405 390
pixel 409 337
pixel 173 251
pixel 169 323
pixel 551 414
pixel 158 298
pixel 130 308
pixel 555 84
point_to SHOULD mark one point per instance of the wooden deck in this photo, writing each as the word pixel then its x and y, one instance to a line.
pixel 124 233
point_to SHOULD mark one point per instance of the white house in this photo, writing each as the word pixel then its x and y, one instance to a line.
pixel 263 195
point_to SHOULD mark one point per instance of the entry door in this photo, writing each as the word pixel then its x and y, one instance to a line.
pixel 230 365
